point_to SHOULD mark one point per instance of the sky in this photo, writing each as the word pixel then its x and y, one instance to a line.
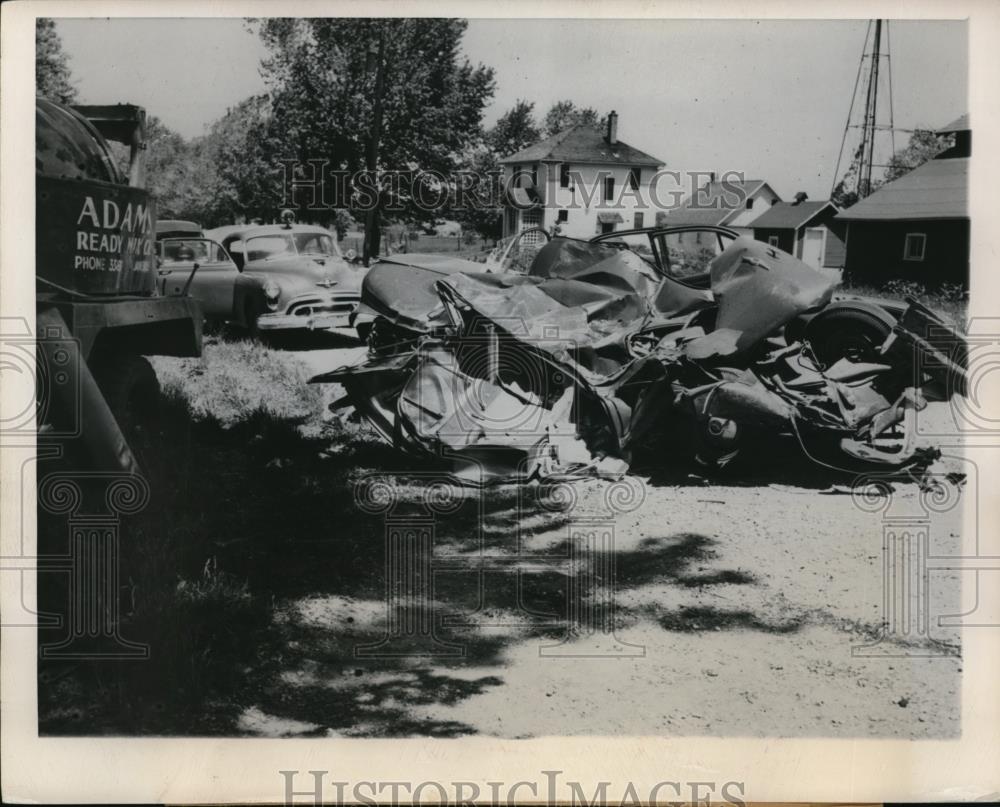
pixel 768 98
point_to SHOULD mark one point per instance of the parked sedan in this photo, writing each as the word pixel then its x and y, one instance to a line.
pixel 292 277
pixel 200 267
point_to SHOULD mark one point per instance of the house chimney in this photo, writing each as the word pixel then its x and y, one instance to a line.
pixel 800 197
pixel 613 128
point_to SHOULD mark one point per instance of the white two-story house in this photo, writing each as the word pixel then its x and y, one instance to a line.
pixel 579 182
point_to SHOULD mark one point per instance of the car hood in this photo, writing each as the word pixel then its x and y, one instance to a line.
pixel 310 271
pixel 402 289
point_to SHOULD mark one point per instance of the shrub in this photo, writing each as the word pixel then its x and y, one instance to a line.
pixel 904 288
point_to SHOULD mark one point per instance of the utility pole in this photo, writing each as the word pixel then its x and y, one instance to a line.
pixel 372 235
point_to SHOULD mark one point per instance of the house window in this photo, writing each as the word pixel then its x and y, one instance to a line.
pixel 772 240
pixel 609 189
pixel 563 215
pixel 914 246
pixel 634 176
pixel 534 175
pixel 637 221
pixel 749 204
pixel 564 175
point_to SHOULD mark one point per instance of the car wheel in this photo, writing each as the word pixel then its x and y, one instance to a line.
pixel 848 333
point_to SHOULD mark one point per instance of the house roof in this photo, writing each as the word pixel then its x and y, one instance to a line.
pixel 788 215
pixel 582 144
pixel 960 124
pixel 938 189
pixel 716 203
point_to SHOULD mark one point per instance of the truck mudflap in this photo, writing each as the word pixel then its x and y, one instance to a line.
pixel 78 399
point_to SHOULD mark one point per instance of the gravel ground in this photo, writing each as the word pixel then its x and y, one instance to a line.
pixel 665 605
pixel 734 611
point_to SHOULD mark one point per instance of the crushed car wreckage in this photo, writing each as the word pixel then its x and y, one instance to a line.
pixel 566 370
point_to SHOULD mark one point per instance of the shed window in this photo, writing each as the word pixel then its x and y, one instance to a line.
pixel 749 204
pixel 564 175
pixel 772 240
pixel 914 246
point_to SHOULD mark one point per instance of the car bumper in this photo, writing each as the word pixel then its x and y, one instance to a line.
pixel 312 313
pixel 300 322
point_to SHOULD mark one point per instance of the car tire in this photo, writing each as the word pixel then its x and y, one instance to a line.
pixel 853 333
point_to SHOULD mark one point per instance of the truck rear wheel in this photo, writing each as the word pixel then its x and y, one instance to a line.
pixel 132 392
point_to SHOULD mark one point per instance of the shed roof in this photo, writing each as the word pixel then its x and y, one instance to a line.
pixel 938 189
pixel 790 216
pixel 960 124
pixel 582 143
pixel 716 203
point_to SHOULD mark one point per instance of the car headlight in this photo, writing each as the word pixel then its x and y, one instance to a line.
pixel 272 291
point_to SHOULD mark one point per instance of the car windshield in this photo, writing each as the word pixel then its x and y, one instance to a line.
pixel 284 244
pixel 315 244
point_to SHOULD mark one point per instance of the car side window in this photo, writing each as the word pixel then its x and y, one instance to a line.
pixel 187 250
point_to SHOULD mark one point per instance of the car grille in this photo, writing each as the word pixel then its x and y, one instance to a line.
pixel 308 306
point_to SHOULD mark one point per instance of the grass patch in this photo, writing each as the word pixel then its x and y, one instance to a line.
pixel 950 300
pixel 238 381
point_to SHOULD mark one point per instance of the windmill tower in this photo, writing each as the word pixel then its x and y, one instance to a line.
pixel 870 114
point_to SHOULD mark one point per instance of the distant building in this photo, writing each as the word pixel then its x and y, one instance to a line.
pixel 917 226
pixel 726 203
pixel 582 179
pixel 804 229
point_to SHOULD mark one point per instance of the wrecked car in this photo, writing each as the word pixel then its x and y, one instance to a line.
pixel 568 369
pixel 292 278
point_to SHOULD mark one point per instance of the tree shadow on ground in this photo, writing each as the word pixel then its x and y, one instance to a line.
pixel 248 526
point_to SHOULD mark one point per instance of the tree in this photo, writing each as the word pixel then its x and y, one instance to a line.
pixel 168 170
pixel 923 146
pixel 321 75
pixel 564 114
pixel 514 130
pixel 52 73
pixel 237 166
pixel 479 207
